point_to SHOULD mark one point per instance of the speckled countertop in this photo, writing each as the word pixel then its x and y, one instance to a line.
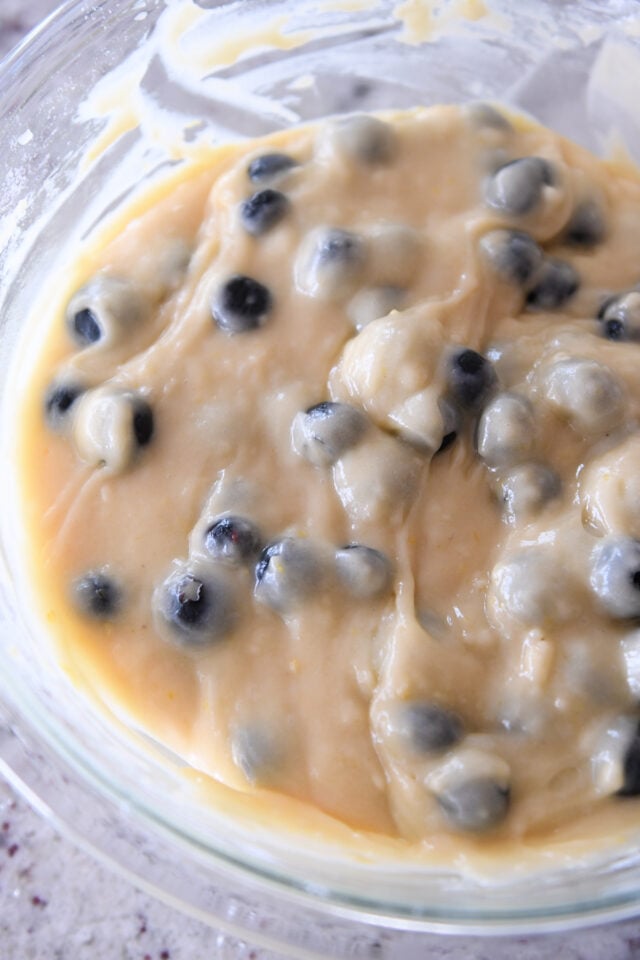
pixel 56 903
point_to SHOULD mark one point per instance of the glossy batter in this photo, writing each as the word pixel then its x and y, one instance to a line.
pixel 331 462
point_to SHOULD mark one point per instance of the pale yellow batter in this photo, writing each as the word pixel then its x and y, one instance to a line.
pixel 470 329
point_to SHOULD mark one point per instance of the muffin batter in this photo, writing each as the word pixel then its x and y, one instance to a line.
pixel 331 458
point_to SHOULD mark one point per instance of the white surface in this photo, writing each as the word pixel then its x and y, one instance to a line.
pixel 56 903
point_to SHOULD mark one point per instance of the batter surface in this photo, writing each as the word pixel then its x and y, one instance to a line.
pixel 330 458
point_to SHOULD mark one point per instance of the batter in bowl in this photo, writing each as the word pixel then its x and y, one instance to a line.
pixel 330 458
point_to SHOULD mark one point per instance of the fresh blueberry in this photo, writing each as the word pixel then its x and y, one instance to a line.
pixel 586 227
pixel 97 595
pixel 475 805
pixel 269 166
pixel 506 430
pixel 631 767
pixel 615 576
pixel 447 441
pixel 58 402
pixel 194 605
pixel 365 572
pixel 288 572
pixel 484 114
pixel 514 255
pixel 587 393
pixel 553 285
pixel 471 378
pixel 619 317
pixel 257 752
pixel 427 727
pixel 143 422
pixel 263 210
pixel 241 304
pixel 330 263
pixel 323 433
pixel 103 310
pixel 364 138
pixel 232 538
pixel 527 487
pixel 111 426
pixel 516 188
pixel 85 327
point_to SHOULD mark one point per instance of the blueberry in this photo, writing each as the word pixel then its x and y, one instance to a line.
pixel 232 538
pixel 475 805
pixel 323 433
pixel 256 751
pixel 448 440
pixel 427 727
pixel 631 767
pixel 241 304
pixel 263 210
pixel 58 402
pixel 143 422
pixel 506 430
pixel 364 138
pixel 586 227
pixel 269 166
pixel 365 572
pixel 103 310
pixel 97 595
pixel 288 572
pixel 516 188
pixel 615 576
pixel 587 393
pixel 527 487
pixel 85 327
pixel 553 285
pixel 110 427
pixel 194 606
pixel 619 317
pixel 486 115
pixel 514 255
pixel 470 377
pixel 330 263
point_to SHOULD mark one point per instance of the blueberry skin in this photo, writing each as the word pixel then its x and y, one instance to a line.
pixel 631 768
pixel 268 166
pixel 619 317
pixel 615 576
pixel 58 402
pixel 194 606
pixel 554 284
pixel 586 227
pixel 324 432
pixel 234 539
pixel 365 572
pixel 241 304
pixel 257 752
pixel 85 328
pixel 263 210
pixel 143 422
pixel 527 488
pixel 470 377
pixel 513 254
pixel 516 188
pixel 475 805
pixel 97 595
pixel 288 572
pixel 430 728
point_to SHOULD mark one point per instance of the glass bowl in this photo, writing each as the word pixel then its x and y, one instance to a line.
pixel 92 106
